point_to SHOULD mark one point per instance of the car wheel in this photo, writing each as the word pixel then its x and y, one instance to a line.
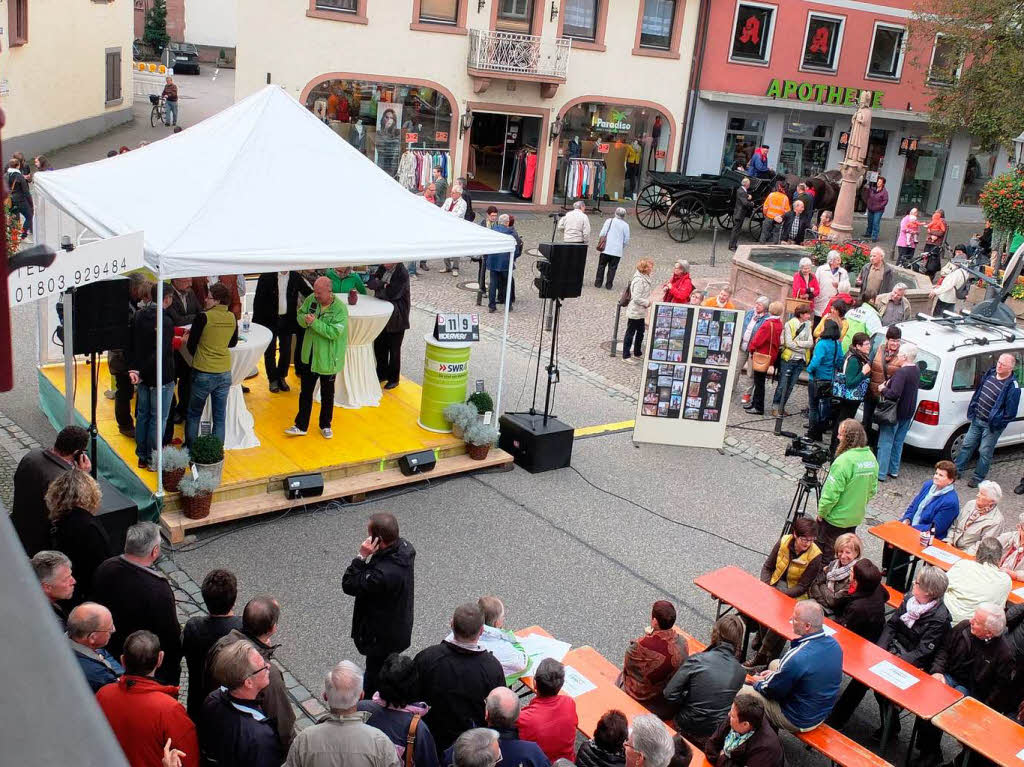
pixel 955 442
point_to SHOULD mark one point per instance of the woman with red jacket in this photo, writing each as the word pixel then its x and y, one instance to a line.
pixel 805 284
pixel 679 288
pixel 767 340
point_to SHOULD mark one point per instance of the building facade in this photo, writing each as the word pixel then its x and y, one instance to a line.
pixel 534 101
pixel 210 25
pixel 786 74
pixel 65 71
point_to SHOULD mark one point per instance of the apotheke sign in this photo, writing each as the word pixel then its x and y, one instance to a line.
pixel 819 93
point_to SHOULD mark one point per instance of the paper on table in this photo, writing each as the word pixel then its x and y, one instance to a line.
pixel 941 554
pixel 894 675
pixel 1019 592
pixel 829 631
pixel 575 683
pixel 539 647
pixel 1020 754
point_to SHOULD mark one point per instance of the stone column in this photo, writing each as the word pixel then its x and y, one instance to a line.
pixel 852 169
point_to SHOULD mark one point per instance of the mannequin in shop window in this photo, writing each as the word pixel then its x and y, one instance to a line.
pixel 357 137
pixel 575 147
pixel 655 139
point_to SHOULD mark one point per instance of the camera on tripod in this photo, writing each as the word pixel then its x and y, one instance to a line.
pixel 813 454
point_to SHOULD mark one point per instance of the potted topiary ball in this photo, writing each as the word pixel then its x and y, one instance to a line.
pixel 175 462
pixel 460 415
pixel 479 437
pixel 208 456
pixel 196 495
pixel 482 401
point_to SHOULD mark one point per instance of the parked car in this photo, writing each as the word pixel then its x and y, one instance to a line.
pixel 182 57
pixel 953 359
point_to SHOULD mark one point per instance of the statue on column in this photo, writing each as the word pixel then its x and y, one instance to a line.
pixel 860 130
pixel 852 168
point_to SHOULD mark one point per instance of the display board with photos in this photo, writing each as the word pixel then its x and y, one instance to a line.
pixel 689 367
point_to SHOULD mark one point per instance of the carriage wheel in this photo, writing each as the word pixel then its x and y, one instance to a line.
pixel 756 224
pixel 724 221
pixel 686 217
pixel 652 206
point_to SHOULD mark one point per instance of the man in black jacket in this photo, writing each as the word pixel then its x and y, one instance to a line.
pixel 391 283
pixel 456 677
pixel 744 204
pixel 183 309
pixel 36 470
pixel 201 632
pixel 382 579
pixel 794 224
pixel 142 359
pixel 274 306
pixel 139 597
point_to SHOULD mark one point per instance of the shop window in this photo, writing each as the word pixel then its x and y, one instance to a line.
pixel 439 11
pixel 656 24
pixel 403 129
pixel 113 76
pixel 946 60
pixel 752 33
pixel 580 20
pixel 742 136
pixel 886 58
pixel 345 6
pixel 923 172
pixel 17 22
pixel 980 168
pixel 804 148
pixel 822 42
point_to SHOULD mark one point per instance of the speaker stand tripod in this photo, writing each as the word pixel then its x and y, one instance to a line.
pixel 552 366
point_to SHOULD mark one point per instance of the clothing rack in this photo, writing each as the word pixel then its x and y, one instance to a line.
pixel 595 190
pixel 414 167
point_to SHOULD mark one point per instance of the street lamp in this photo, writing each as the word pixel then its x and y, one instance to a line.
pixel 1018 148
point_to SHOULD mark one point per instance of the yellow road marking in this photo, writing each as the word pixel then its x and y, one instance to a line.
pixel 589 431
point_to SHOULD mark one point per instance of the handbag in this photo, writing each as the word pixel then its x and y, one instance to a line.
pixel 885 412
pixel 841 390
pixel 602 242
pixel 627 296
pixel 761 361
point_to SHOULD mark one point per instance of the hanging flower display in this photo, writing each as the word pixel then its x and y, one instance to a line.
pixel 1002 199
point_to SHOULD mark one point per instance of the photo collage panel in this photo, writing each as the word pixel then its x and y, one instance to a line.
pixel 705 392
pixel 666 371
pixel 713 336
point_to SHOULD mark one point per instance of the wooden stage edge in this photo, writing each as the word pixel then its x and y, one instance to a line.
pixel 176 524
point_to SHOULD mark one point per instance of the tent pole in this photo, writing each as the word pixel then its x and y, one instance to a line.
pixel 70 384
pixel 161 424
pixel 504 335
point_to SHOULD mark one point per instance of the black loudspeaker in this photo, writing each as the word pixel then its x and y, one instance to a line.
pixel 117 513
pixel 535 446
pixel 304 485
pixel 561 269
pixel 417 463
pixel 101 316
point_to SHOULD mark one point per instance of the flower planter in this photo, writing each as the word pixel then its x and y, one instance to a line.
pixel 196 507
pixel 478 452
pixel 212 470
pixel 172 478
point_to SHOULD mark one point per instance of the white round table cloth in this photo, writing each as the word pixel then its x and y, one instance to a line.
pixel 356 385
pixel 239 426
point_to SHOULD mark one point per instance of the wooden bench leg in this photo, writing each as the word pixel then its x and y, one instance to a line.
pixel 890 713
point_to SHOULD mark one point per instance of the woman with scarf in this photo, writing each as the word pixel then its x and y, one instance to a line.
pixel 393 710
pixel 850 386
pixel 883 365
pixel 834 581
pixel 906 243
pixel 933 244
pixel 981 518
pixel 914 633
pixel 1012 562
pixel 805 284
pixel 766 341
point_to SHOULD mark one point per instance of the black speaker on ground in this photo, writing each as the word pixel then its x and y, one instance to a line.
pixel 304 485
pixel 101 316
pixel 561 269
pixel 417 463
pixel 117 513
pixel 534 445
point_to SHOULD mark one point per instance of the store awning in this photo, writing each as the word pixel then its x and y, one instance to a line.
pixel 262 186
pixel 809 106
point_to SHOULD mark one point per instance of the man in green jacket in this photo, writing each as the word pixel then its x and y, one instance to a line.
pixel 325 320
pixel 343 279
pixel 852 482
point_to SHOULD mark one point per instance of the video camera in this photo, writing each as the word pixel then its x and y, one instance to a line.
pixel 813 454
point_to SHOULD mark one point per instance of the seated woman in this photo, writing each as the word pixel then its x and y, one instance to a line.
pixel 747 739
pixel 1012 561
pixel 834 581
pixel 793 565
pixel 825 226
pixel 606 748
pixel 979 519
pixel 862 608
pixel 914 633
pixel 704 686
pixel 652 659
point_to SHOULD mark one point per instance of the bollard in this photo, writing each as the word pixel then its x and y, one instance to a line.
pixel 615 331
pixel 714 239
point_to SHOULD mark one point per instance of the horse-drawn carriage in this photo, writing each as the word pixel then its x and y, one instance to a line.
pixel 685 205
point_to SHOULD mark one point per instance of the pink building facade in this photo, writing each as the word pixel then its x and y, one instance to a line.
pixel 786 74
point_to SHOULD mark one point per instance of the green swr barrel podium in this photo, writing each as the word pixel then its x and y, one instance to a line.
pixel 445 373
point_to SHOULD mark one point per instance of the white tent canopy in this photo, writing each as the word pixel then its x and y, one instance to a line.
pixel 262 186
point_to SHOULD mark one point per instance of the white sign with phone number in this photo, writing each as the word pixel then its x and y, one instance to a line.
pixel 95 261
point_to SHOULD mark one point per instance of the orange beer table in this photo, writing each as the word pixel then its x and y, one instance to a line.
pixel 984 730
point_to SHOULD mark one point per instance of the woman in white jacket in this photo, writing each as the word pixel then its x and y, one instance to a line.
pixel 614 236
pixel 832 279
pixel 640 287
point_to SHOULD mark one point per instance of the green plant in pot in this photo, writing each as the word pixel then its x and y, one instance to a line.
pixel 482 401
pixel 197 495
pixel 479 437
pixel 460 415
pixel 208 456
pixel 175 462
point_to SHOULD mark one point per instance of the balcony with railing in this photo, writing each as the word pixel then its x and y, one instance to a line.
pixel 514 56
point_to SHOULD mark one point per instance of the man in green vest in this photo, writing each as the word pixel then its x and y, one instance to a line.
pixel 325 320
pixel 212 333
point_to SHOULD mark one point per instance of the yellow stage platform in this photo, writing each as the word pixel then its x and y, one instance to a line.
pixel 362 456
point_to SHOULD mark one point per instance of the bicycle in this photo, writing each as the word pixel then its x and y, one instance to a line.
pixel 159 112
